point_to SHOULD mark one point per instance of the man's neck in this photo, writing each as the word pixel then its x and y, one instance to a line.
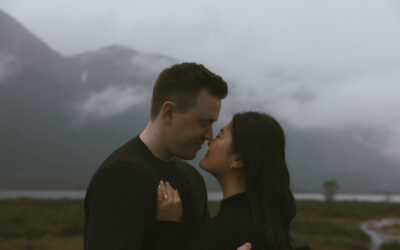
pixel 153 139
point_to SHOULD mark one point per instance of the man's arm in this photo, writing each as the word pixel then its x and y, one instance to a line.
pixel 118 207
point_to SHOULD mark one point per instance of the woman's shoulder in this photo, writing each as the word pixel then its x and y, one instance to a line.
pixel 216 233
pixel 227 230
pixel 235 211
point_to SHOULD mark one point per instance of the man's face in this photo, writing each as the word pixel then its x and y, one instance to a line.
pixel 189 130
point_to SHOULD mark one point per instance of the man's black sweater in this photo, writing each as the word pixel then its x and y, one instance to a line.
pixel 121 201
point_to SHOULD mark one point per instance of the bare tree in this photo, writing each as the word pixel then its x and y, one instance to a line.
pixel 330 188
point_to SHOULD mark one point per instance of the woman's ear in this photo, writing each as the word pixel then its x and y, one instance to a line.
pixel 237 163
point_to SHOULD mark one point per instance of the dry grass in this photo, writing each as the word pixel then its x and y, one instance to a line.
pixel 43 243
pixel 29 224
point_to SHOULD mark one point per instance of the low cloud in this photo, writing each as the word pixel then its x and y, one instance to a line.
pixel 314 64
pixel 152 64
pixel 8 65
pixel 109 102
pixel 363 99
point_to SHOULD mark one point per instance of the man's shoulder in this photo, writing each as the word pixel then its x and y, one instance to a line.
pixel 130 154
pixel 124 168
pixel 125 163
pixel 121 174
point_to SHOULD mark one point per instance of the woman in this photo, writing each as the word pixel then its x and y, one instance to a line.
pixel 247 157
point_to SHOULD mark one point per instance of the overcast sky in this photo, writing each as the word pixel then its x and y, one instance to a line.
pixel 333 64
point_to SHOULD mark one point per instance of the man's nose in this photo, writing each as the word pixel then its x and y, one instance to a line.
pixel 208 134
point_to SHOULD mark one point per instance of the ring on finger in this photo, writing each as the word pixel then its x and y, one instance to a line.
pixel 165 197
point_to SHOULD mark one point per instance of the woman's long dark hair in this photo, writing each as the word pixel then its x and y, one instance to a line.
pixel 259 140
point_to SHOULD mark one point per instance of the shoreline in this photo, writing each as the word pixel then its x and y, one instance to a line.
pixel 212 195
pixel 209 191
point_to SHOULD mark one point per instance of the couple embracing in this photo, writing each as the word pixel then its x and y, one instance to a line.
pixel 144 196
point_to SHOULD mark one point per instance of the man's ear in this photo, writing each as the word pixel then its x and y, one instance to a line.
pixel 168 111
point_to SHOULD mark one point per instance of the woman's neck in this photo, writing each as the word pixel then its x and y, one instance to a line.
pixel 232 184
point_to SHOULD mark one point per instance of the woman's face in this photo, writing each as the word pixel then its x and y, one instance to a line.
pixel 219 158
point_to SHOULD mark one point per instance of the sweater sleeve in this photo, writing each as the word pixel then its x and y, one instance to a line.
pixel 119 209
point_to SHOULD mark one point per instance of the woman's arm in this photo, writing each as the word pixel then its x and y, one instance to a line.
pixel 169 210
pixel 169 214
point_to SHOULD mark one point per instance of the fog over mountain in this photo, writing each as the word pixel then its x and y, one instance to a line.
pixel 60 116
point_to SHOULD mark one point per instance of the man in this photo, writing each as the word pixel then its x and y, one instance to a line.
pixel 121 200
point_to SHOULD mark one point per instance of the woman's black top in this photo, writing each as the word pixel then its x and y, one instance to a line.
pixel 229 229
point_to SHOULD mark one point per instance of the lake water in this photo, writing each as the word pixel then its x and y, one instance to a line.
pixel 214 196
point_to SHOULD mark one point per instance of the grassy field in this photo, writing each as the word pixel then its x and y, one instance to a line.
pixel 31 224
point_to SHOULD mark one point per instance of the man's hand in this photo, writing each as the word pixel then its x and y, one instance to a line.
pixel 169 205
pixel 245 246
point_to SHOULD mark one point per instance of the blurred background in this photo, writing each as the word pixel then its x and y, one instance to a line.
pixel 76 80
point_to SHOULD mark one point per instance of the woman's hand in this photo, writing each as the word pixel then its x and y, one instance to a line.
pixel 169 206
pixel 245 246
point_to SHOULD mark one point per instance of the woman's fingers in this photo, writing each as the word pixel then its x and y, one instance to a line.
pixel 167 193
pixel 176 195
pixel 163 191
pixel 170 192
pixel 245 246
pixel 169 206
pixel 159 193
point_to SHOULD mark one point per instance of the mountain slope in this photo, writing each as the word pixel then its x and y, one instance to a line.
pixel 61 116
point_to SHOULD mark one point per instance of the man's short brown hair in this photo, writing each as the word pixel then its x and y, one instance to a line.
pixel 181 84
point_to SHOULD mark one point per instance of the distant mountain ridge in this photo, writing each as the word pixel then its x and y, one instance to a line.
pixel 61 116
pixel 40 146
